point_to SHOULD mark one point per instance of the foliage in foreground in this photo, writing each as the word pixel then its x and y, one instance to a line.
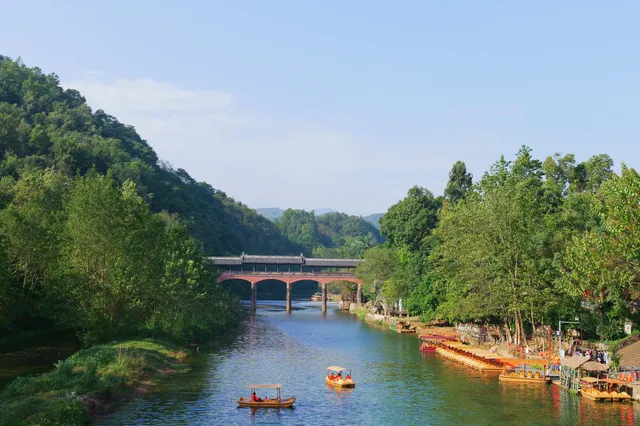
pixel 97 235
pixel 99 373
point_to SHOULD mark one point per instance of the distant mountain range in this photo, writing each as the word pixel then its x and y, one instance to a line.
pixel 374 219
pixel 274 213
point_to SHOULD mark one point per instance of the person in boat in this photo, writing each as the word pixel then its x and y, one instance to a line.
pixel 339 376
pixel 255 398
pixel 332 376
pixel 348 377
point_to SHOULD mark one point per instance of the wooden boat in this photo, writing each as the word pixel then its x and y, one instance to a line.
pixel 276 402
pixel 346 382
pixel 604 389
pixel 431 341
pixel 523 375
pixel 317 297
pixel 473 360
pixel 405 327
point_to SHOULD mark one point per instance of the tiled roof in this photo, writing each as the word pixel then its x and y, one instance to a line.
pixel 285 260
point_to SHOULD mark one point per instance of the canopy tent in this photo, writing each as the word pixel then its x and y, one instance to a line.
pixel 336 368
pixel 263 386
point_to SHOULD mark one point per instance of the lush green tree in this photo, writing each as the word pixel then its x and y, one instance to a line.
pixel 603 264
pixel 111 253
pixel 410 221
pixel 493 245
pixel 376 270
pixel 300 226
pixel 80 246
pixel 31 225
pixel 460 182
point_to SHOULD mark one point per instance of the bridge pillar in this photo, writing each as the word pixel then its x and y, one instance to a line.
pixel 324 297
pixel 359 294
pixel 254 297
pixel 288 308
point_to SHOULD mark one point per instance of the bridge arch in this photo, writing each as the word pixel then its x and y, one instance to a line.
pixel 289 270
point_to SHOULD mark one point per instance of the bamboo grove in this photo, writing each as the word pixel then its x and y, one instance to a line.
pixel 528 243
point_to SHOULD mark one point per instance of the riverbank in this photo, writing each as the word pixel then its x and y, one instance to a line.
pixel 392 322
pixel 89 383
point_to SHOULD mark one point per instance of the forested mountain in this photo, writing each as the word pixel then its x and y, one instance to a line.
pixel 374 219
pixel 271 213
pixel 43 125
pixel 329 235
pixel 275 213
pixel 96 234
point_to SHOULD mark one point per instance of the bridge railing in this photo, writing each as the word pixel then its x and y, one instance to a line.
pixel 271 273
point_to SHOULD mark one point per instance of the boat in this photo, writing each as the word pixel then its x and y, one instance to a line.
pixel 276 402
pixel 604 389
pixel 515 370
pixel 431 341
pixel 405 327
pixel 346 382
pixel 470 356
pixel 510 374
pixel 317 297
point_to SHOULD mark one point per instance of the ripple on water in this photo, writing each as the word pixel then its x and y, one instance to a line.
pixel 396 383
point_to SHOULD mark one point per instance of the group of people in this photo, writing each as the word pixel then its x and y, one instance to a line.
pixel 594 355
pixel 338 376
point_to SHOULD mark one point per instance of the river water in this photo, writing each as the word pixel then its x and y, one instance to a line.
pixel 396 383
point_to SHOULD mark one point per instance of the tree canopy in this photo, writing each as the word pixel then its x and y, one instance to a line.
pixel 531 242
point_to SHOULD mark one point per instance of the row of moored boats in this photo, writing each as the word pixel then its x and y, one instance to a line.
pixel 522 370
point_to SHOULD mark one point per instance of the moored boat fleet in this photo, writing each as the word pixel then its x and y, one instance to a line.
pixel 593 382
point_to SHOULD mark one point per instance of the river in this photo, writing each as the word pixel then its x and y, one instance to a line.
pixel 396 383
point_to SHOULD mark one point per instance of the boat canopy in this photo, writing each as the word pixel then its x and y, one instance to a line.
pixel 435 337
pixel 264 386
pixel 591 380
pixel 336 368
pixel 615 381
pixel 520 361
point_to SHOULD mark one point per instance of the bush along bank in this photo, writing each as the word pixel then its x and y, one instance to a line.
pixel 88 383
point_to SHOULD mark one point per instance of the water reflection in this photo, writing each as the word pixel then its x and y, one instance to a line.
pixel 396 383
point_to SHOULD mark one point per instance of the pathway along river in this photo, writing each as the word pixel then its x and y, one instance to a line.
pixel 396 383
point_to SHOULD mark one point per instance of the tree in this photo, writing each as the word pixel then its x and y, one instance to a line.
pixel 111 255
pixel 377 268
pixel 410 221
pixel 460 182
pixel 492 246
pixel 603 264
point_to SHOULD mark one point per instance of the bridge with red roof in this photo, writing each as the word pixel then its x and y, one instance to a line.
pixel 289 270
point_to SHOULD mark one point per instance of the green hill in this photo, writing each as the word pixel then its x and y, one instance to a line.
pixel 331 234
pixel 43 125
pixel 374 219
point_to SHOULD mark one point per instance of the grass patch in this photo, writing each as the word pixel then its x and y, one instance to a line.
pixel 361 313
pixel 99 373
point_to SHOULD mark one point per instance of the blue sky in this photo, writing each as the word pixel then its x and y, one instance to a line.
pixel 345 104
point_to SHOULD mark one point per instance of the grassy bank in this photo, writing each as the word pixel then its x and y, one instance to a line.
pixel 87 382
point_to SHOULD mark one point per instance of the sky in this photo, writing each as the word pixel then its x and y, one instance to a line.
pixel 345 104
